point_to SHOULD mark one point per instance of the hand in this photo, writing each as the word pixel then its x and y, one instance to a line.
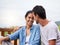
pixel 1 40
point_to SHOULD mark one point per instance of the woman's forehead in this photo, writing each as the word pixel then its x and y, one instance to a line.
pixel 30 15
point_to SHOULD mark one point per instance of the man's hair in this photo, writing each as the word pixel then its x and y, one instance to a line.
pixel 40 11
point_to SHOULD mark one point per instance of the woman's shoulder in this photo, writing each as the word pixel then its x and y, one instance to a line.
pixel 36 26
pixel 21 28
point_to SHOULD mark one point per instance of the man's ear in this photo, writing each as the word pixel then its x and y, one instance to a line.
pixel 37 15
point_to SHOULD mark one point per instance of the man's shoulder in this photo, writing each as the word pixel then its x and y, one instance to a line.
pixel 52 24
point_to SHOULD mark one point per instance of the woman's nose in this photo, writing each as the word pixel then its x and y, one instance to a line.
pixel 31 19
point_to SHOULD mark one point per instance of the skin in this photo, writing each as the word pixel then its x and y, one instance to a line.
pixel 52 42
pixel 44 22
pixel 29 22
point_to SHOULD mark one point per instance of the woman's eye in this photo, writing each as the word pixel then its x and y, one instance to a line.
pixel 29 17
pixel 32 17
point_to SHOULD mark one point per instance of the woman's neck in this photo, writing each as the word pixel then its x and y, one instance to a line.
pixel 28 30
pixel 28 27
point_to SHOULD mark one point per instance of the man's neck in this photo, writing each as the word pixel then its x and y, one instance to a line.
pixel 44 22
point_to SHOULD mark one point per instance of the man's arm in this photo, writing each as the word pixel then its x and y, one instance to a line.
pixel 52 35
pixel 52 42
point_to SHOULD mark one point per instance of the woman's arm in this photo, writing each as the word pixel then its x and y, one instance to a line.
pixel 36 40
pixel 4 38
pixel 13 36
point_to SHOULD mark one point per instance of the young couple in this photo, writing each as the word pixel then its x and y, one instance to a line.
pixel 46 31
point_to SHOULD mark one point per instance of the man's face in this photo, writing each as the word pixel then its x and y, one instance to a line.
pixel 36 18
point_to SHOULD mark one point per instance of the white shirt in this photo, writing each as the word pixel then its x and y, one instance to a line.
pixel 27 39
pixel 48 32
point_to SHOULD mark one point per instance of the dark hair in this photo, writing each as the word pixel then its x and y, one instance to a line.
pixel 40 11
pixel 30 11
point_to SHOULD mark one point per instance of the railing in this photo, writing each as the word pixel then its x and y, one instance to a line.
pixel 9 30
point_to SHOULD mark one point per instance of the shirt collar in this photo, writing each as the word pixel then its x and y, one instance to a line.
pixel 30 28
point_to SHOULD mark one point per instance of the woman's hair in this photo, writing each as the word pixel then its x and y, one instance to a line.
pixel 30 11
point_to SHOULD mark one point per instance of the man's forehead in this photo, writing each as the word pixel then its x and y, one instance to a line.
pixel 32 12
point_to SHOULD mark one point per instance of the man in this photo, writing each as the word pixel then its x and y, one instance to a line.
pixel 49 30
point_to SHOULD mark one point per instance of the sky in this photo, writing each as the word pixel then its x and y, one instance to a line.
pixel 12 12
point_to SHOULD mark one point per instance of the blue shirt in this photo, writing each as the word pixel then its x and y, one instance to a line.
pixel 21 35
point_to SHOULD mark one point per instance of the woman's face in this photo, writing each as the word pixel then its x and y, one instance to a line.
pixel 29 19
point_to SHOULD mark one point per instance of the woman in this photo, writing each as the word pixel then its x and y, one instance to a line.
pixel 27 35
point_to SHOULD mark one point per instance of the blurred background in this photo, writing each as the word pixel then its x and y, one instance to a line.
pixel 12 12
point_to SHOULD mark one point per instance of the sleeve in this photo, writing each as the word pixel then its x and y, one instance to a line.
pixel 36 40
pixel 52 33
pixel 15 35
